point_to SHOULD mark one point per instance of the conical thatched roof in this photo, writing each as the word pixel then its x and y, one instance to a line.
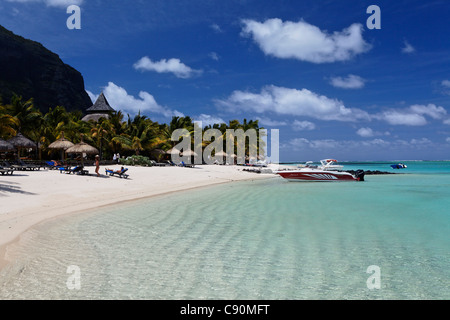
pixel 22 142
pixel 95 117
pixel 100 109
pixel 189 153
pixel 220 154
pixel 173 151
pixel 100 106
pixel 6 146
pixel 82 147
pixel 61 143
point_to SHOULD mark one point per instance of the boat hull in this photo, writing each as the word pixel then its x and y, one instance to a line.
pixel 317 176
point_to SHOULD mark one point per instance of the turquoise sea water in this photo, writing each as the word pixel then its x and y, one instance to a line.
pixel 268 239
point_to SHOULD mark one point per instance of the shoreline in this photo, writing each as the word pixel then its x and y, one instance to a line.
pixel 49 194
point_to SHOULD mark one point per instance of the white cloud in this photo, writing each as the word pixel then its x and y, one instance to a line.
pixel 421 142
pixel 448 140
pixel 447 121
pixel 93 96
pixel 303 125
pixel 216 28
pixel 412 116
pixel 365 132
pixel 368 133
pixel 286 101
pixel 306 42
pixel 401 118
pixel 302 143
pixel 351 82
pixel 53 3
pixel 431 110
pixel 214 56
pixel 445 87
pixel 271 123
pixel 173 65
pixel 331 145
pixel 145 103
pixel 207 119
pixel 408 48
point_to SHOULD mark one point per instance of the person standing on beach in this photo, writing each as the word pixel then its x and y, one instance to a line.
pixel 97 165
pixel 115 158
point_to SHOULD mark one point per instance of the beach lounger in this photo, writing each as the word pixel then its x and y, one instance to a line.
pixel 158 164
pixel 187 165
pixel 6 171
pixel 28 166
pixel 52 165
pixel 6 164
pixel 121 173
pixel 74 170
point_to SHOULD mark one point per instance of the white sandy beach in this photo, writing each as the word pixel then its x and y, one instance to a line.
pixel 30 197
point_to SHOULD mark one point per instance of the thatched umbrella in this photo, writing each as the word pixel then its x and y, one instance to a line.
pixel 188 153
pixel 223 154
pixel 173 151
pixel 6 146
pixel 158 151
pixel 61 144
pixel 81 148
pixel 220 154
pixel 21 142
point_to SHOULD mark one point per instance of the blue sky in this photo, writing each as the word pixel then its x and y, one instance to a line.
pixel 312 69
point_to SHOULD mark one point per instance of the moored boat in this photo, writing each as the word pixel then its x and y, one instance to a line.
pixel 398 166
pixel 320 174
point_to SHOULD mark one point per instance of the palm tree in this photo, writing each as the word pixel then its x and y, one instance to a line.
pixel 29 118
pixel 176 123
pixel 100 132
pixel 7 124
pixel 140 134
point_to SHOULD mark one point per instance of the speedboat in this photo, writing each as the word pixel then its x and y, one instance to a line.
pixel 318 174
pixel 330 164
pixel 398 166
pixel 308 164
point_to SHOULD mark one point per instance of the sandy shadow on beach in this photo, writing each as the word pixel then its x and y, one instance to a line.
pixel 11 187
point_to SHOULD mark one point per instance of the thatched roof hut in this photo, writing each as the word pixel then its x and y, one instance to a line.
pixel 20 141
pixel 62 144
pixel 81 148
pixel 100 109
pixel 6 146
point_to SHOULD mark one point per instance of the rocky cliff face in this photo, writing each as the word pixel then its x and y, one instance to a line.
pixel 30 70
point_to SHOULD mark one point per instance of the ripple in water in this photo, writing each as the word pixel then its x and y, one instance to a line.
pixel 250 240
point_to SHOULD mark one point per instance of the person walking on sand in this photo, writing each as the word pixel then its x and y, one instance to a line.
pixel 97 165
pixel 115 158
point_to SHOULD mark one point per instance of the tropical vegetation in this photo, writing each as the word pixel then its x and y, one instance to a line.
pixel 126 135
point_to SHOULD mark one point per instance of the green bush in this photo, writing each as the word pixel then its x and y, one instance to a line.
pixel 136 161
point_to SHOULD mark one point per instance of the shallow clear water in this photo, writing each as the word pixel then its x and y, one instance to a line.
pixel 269 239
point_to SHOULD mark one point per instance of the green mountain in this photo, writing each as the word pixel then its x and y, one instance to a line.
pixel 30 70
